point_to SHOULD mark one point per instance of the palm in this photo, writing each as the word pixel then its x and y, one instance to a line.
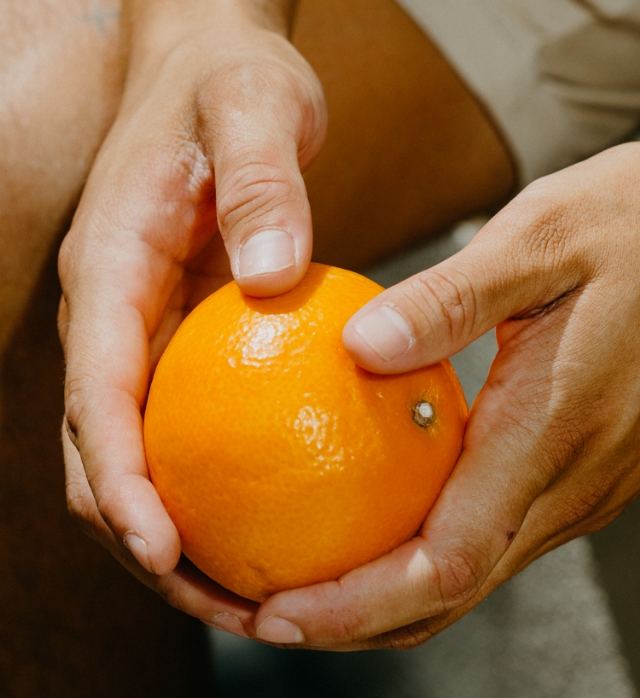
pixel 204 274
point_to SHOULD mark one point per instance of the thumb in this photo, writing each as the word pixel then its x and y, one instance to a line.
pixel 504 272
pixel 265 221
pixel 263 210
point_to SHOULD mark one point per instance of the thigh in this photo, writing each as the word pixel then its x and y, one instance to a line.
pixel 409 149
pixel 73 622
pixel 59 84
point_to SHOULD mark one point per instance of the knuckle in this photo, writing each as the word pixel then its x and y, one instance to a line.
pixel 75 405
pixel 65 257
pixel 246 82
pixel 602 515
pixel 98 480
pixel 406 638
pixel 548 221
pixel 72 257
pixel 63 320
pixel 573 422
pixel 76 502
pixel 105 495
pixel 81 507
pixel 344 624
pixel 549 236
pixel 583 504
pixel 173 589
pixel 447 298
pixel 169 593
pixel 72 432
pixel 588 504
pixel 81 391
pixel 348 627
pixel 571 438
pixel 458 577
pixel 255 190
pixel 239 80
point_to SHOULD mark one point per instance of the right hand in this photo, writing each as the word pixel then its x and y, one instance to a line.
pixel 219 116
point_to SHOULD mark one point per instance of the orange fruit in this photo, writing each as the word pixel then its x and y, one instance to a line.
pixel 281 462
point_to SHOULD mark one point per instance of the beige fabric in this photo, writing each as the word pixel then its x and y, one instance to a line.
pixel 561 77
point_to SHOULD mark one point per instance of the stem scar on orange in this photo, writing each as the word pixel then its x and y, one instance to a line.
pixel 280 461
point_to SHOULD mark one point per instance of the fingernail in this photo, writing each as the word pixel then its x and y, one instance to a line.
pixel 139 549
pixel 229 623
pixel 266 252
pixel 279 631
pixel 385 331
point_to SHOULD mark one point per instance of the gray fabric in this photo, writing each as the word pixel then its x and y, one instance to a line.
pixel 548 633
pixel 545 634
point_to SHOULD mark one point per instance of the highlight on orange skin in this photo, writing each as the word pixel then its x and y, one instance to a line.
pixel 282 462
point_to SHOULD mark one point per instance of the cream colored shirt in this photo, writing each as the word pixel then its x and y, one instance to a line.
pixel 561 77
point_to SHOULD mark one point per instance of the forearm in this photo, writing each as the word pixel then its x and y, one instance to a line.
pixel 168 18
pixel 153 28
pixel 276 14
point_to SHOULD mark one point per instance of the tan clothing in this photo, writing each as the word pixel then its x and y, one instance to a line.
pixel 560 77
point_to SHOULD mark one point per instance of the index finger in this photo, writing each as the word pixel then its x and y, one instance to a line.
pixel 185 588
pixel 107 372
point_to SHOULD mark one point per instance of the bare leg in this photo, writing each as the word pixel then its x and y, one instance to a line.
pixel 73 622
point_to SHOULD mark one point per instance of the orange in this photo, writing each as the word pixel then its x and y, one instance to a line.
pixel 281 462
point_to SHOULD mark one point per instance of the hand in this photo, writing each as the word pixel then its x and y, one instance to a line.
pixel 553 442
pixel 219 114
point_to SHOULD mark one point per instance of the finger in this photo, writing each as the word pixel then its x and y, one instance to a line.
pixel 145 213
pixel 474 522
pixel 103 411
pixel 261 138
pixel 185 588
pixel 525 549
pixel 511 268
pixel 534 474
pixel 83 508
pixel 80 501
pixel 437 572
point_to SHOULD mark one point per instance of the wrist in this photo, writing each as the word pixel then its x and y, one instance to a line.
pixel 276 15
pixel 155 27
pixel 171 17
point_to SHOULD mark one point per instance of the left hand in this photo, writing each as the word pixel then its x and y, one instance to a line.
pixel 553 442
pixel 200 175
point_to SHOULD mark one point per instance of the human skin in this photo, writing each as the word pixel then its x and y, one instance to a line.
pixel 145 242
pixel 552 446
pixel 551 449
pixel 74 623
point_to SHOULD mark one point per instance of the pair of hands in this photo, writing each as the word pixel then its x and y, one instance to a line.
pixel 219 116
